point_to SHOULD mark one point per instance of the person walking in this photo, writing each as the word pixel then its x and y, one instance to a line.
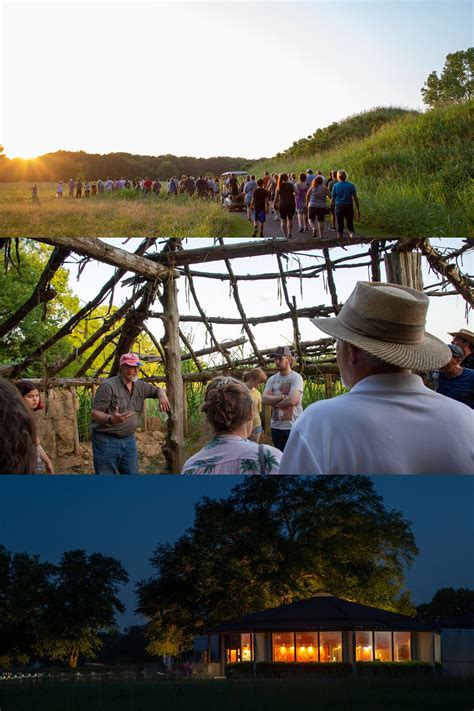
pixel 285 204
pixel 344 194
pixel 316 201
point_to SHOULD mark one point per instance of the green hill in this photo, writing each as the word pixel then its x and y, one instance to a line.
pixel 349 129
pixel 413 172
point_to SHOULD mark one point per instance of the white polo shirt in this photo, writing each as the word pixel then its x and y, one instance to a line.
pixel 387 424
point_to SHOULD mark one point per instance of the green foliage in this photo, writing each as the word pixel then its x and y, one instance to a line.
pixel 16 286
pixel 83 602
pixel 349 129
pixel 275 540
pixel 167 170
pixel 62 165
pixel 289 670
pixel 447 602
pixel 456 83
pixel 394 669
pixel 414 175
pixel 25 586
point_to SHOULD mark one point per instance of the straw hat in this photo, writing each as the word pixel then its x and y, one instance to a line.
pixel 388 321
pixel 464 333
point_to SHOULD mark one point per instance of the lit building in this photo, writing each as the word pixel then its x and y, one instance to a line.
pixel 325 629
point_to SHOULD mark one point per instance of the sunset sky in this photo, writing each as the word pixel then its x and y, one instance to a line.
pixel 202 79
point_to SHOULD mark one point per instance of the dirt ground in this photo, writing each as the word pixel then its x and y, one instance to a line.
pixel 150 456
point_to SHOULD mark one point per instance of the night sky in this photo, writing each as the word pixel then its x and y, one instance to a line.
pixel 126 517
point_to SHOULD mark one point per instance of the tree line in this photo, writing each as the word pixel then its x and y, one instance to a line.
pixel 63 165
pixel 270 542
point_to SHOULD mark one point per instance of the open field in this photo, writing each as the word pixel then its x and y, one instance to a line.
pixel 121 214
pixel 340 695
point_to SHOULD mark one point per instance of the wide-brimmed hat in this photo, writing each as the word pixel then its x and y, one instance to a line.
pixel 388 321
pixel 464 333
pixel 130 359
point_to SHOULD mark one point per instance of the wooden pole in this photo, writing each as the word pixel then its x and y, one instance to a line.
pixel 77 447
pixel 404 268
pixel 96 249
pixel 42 293
pixel 174 452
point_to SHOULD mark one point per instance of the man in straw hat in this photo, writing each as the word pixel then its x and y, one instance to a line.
pixel 464 339
pixel 116 412
pixel 389 422
pixel 284 392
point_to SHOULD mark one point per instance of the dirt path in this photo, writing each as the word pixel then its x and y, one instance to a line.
pixel 273 228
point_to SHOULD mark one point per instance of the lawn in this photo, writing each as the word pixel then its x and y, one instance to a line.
pixel 323 695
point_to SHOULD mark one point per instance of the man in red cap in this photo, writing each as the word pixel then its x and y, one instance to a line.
pixel 116 412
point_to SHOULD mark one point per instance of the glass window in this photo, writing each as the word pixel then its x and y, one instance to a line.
pixel 402 646
pixel 246 648
pixel 330 646
pixel 383 646
pixel 306 646
pixel 232 649
pixel 283 647
pixel 364 648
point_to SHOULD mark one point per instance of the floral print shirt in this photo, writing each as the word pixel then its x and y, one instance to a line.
pixel 229 454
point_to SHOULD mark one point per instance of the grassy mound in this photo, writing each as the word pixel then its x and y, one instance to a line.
pixel 413 175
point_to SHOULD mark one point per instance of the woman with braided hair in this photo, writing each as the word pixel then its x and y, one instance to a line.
pixel 229 411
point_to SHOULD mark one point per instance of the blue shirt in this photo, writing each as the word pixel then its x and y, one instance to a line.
pixel 460 388
pixel 343 192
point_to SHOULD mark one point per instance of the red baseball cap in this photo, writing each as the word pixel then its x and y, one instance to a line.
pixel 130 359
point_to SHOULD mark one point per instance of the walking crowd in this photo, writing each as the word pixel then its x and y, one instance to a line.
pixel 308 196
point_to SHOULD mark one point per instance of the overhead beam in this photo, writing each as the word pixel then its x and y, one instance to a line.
pixel 218 252
pixel 310 312
pixel 94 248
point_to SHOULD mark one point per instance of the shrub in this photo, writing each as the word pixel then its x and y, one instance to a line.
pixel 289 670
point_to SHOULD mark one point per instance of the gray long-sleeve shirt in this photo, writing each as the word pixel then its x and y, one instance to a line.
pixel 114 393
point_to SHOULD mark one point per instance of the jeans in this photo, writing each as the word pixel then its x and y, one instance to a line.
pixel 280 438
pixel 114 455
pixel 344 211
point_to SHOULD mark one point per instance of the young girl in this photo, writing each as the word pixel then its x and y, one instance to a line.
pixel 31 396
pixel 252 379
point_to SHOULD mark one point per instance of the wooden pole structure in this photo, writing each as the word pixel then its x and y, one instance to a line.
pixel 217 253
pixel 42 293
pixel 314 311
pixel 68 327
pixel 77 447
pixel 174 452
pixel 96 249
pixel 404 268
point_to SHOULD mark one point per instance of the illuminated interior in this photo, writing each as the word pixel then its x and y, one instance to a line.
pixel 325 647
pixel 402 646
pixel 238 648
pixel 283 647
pixel 383 646
pixel 330 646
pixel 306 646
pixel 364 648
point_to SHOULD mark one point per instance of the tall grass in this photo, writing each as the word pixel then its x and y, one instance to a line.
pixel 414 175
pixel 121 214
